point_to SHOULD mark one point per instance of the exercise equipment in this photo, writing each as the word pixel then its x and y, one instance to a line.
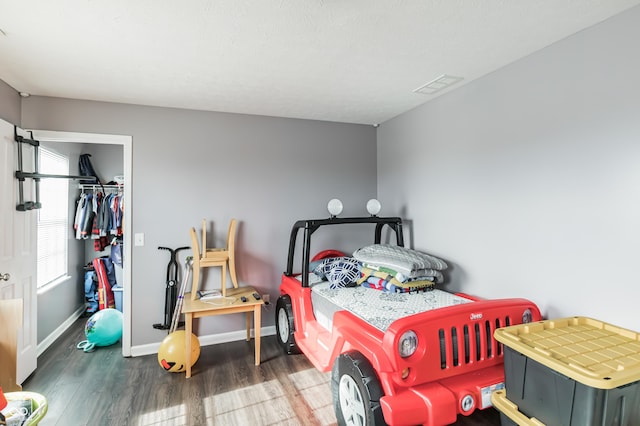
pixel 171 289
pixel 172 352
pixel 104 328
pixel 175 321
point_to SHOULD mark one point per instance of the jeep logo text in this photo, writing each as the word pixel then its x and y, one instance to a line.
pixel 476 316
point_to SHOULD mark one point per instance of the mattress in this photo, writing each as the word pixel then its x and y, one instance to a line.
pixel 376 307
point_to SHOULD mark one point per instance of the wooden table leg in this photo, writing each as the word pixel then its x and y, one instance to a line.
pixel 248 319
pixel 188 318
pixel 256 330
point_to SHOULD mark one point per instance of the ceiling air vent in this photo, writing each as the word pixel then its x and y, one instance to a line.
pixel 438 84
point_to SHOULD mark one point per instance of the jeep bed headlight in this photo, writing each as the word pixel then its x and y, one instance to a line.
pixel 407 344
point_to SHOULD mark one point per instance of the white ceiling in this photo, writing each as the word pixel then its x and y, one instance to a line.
pixel 354 61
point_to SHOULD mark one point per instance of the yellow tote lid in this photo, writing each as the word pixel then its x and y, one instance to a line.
pixel 589 351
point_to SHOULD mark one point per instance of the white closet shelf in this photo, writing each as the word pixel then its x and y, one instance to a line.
pixel 96 186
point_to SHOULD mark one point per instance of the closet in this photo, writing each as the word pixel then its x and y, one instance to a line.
pixel 110 157
pixel 98 220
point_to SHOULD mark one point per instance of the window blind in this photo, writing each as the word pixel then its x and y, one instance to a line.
pixel 53 218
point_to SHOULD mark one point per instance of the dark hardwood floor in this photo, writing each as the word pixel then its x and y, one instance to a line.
pixel 103 388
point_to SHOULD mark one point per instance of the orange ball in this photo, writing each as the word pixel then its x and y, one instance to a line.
pixel 171 354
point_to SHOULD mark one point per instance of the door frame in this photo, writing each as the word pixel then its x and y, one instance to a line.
pixel 127 145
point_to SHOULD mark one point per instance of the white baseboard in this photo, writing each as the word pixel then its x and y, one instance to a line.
pixel 211 339
pixel 152 348
pixel 51 338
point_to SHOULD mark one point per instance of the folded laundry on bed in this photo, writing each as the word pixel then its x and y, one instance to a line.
pixel 411 263
pixel 388 273
pixel 382 281
pixel 386 286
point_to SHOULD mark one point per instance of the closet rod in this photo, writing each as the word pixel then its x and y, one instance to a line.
pixel 23 175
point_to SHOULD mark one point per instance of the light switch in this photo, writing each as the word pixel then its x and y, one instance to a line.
pixel 139 239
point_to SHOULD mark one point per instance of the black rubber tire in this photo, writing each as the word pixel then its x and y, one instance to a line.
pixel 353 375
pixel 285 325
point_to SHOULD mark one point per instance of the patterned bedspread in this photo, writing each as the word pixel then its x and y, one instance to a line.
pixel 376 307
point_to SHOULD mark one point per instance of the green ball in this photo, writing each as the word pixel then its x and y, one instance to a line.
pixel 104 328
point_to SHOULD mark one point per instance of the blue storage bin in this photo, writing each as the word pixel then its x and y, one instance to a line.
pixel 117 295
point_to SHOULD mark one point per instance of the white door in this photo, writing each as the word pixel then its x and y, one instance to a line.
pixel 18 248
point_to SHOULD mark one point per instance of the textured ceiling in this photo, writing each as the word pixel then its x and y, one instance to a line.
pixel 354 61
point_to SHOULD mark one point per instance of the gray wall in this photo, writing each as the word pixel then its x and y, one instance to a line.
pixel 9 103
pixel 189 165
pixel 528 180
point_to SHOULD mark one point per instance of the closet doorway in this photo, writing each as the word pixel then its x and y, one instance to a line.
pixel 52 138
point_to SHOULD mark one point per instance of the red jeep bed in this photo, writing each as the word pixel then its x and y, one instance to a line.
pixel 433 361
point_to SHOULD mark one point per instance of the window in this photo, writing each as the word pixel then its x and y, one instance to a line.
pixel 53 218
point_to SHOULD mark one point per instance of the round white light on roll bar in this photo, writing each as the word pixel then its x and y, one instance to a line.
pixel 334 207
pixel 373 207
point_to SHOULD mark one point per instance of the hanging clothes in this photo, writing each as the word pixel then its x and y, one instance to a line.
pixel 98 217
pixel 104 216
pixel 87 219
pixel 79 216
pixel 116 215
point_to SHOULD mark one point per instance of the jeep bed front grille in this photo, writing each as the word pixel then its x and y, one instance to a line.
pixel 470 343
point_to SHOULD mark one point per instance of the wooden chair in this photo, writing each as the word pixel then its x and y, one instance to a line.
pixel 214 257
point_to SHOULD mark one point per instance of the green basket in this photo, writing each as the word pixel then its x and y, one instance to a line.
pixel 40 405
